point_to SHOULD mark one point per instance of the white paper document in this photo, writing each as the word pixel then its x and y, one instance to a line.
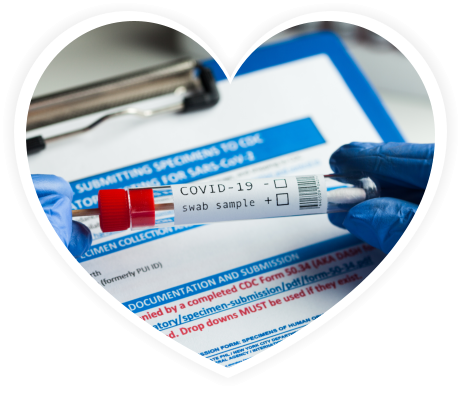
pixel 226 290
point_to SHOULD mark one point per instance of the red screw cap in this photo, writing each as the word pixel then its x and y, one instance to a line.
pixel 114 213
pixel 142 211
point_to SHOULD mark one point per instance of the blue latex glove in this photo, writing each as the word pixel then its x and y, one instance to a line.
pixel 55 195
pixel 403 170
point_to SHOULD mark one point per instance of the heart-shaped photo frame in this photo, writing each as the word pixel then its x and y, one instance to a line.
pixel 227 295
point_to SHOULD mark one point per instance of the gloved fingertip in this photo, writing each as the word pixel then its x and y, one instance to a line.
pixel 337 219
pixel 80 239
pixel 334 160
pixel 58 211
pixel 360 226
pixel 380 222
pixel 51 184
pixel 343 154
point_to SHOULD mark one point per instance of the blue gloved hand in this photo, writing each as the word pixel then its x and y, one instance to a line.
pixel 403 170
pixel 55 195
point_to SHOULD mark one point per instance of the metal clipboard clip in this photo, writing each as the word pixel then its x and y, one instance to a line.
pixel 182 75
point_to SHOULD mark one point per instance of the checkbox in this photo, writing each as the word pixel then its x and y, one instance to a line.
pixel 282 199
pixel 280 183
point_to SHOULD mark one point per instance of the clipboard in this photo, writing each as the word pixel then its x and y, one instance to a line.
pixel 329 44
pixel 184 75
pixel 265 58
pixel 289 107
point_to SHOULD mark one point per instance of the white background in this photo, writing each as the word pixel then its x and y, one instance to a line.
pixel 398 40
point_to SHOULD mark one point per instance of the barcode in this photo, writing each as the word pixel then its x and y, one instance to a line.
pixel 309 193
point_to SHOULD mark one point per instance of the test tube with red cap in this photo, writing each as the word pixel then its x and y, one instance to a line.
pixel 202 203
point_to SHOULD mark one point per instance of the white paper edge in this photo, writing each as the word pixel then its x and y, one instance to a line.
pixel 379 28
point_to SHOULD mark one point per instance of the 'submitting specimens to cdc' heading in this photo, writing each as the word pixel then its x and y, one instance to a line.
pixel 226 290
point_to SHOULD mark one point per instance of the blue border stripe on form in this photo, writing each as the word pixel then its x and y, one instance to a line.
pixel 329 44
